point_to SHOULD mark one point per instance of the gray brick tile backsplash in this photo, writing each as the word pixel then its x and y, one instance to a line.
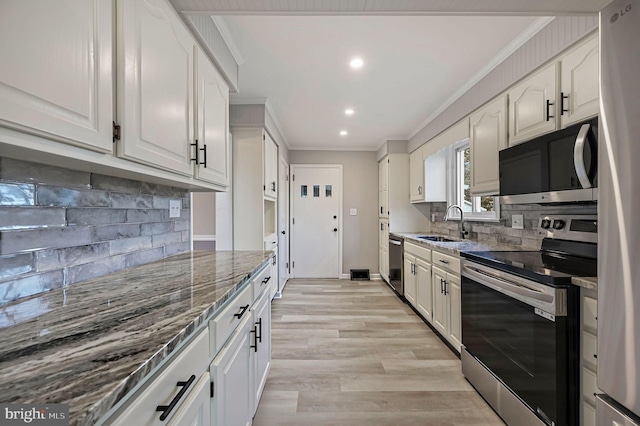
pixel 142 257
pixel 35 217
pixel 95 216
pixel 66 197
pixel 157 228
pixel 116 232
pixel 13 265
pixel 16 194
pixel 61 227
pixel 24 171
pixel 87 271
pixel 111 183
pixel 146 215
pixel 30 285
pixel 128 245
pixel 39 239
pixel 69 256
pixel 127 201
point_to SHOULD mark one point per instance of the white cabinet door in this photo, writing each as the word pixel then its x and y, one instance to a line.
pixel 424 286
pixel 455 313
pixel 409 279
pixel 212 124
pixel 439 301
pixel 155 85
pixel 196 408
pixel 533 109
pixel 56 77
pixel 488 136
pixel 416 175
pixel 270 167
pixel 579 83
pixel 232 404
pixel 261 350
pixel 383 187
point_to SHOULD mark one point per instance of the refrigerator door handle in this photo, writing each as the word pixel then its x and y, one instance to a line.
pixel 578 156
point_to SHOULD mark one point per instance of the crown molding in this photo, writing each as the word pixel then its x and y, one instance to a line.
pixel 220 23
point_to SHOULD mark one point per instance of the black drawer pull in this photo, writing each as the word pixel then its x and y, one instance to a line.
pixel 197 150
pixel 266 280
pixel 242 311
pixel 204 150
pixel 446 262
pixel 259 336
pixel 255 339
pixel 549 105
pixel 166 409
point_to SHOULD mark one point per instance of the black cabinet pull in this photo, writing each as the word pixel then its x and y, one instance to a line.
pixel 549 104
pixel 381 210
pixel 204 150
pixel 255 339
pixel 562 98
pixel 335 229
pixel 446 262
pixel 445 287
pixel 273 186
pixel 242 311
pixel 197 150
pixel 259 336
pixel 266 280
pixel 441 286
pixel 166 409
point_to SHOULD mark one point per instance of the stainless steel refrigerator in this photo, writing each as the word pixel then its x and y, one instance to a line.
pixel 619 216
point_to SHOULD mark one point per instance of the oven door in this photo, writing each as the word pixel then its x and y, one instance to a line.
pixel 519 330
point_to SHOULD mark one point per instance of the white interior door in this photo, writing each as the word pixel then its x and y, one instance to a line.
pixel 316 221
pixel 283 225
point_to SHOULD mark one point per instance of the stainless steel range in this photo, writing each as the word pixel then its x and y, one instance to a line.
pixel 520 323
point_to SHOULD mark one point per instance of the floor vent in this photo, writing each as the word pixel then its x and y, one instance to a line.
pixel 360 275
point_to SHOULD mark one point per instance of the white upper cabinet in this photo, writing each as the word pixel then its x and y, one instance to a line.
pixel 488 135
pixel 383 187
pixel 55 78
pixel 155 85
pixel 416 175
pixel 270 167
pixel 533 107
pixel 579 78
pixel 212 124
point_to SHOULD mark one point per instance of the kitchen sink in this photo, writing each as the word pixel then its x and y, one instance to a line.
pixel 436 238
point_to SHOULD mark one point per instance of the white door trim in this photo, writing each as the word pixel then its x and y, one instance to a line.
pixel 339 167
pixel 284 204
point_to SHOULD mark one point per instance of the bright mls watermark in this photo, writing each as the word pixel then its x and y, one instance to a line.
pixel 34 414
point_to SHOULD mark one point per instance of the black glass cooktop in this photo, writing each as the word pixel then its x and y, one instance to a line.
pixel 549 267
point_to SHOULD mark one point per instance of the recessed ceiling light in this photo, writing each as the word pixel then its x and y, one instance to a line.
pixel 348 111
pixel 356 63
pixel 343 133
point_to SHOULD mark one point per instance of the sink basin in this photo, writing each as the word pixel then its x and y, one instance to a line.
pixel 436 238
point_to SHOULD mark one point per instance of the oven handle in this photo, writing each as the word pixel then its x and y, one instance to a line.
pixel 482 276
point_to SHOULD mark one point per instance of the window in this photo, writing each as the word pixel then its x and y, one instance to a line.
pixel 475 208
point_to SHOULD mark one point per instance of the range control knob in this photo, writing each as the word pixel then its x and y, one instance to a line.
pixel 558 224
pixel 545 224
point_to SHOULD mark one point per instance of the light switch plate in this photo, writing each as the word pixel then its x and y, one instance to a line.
pixel 517 221
pixel 353 212
pixel 174 208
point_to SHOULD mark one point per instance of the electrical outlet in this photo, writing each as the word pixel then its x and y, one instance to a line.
pixel 517 221
pixel 353 212
pixel 174 208
pixel 433 217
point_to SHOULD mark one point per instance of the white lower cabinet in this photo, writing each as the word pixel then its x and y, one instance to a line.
pixel 447 304
pixel 232 401
pixel 196 409
pixel 261 350
pixel 409 278
pixel 589 350
pixel 424 297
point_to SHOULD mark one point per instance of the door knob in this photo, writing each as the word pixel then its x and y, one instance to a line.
pixel 335 217
pixel 283 232
pixel 335 229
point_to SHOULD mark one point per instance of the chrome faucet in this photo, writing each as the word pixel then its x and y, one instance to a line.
pixel 463 230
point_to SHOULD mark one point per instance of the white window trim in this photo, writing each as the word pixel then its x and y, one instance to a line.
pixel 452 184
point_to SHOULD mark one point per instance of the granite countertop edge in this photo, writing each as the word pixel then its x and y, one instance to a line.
pixel 590 283
pixel 138 376
pixel 455 247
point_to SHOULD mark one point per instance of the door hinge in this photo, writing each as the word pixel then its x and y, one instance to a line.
pixel 263 137
pixel 287 178
pixel 287 265
pixel 213 387
pixel 293 265
pixel 293 221
pixel 116 131
pixel 294 178
pixel 264 187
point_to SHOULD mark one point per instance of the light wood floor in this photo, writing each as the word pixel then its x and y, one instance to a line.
pixel 351 353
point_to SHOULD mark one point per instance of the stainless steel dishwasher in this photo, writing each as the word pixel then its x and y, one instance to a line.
pixel 396 278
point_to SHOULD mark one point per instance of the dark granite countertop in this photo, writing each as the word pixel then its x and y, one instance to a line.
pixel 87 345
pixel 455 247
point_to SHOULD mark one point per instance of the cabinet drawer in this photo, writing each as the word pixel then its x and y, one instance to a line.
pixel 450 263
pixel 226 321
pixel 590 313
pixel 261 281
pixel 418 251
pixel 589 348
pixel 589 385
pixel 192 361
pixel 588 415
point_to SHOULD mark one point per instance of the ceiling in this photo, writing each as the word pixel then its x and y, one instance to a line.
pixel 419 56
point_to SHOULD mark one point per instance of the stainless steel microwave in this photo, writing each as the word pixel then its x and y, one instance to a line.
pixel 558 167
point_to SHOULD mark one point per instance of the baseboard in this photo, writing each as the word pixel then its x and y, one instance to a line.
pixel 372 277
